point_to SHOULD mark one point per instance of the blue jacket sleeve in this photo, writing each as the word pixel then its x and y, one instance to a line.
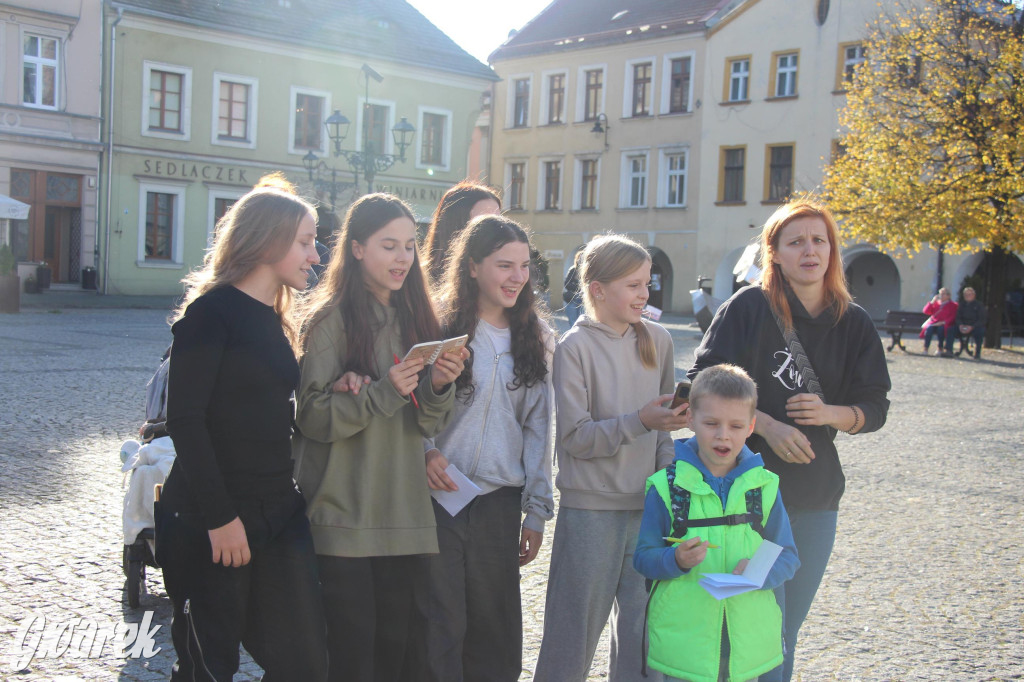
pixel 778 531
pixel 651 558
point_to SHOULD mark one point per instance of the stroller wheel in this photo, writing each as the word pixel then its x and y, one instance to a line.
pixel 135 585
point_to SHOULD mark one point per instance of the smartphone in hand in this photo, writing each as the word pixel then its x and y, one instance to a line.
pixel 682 394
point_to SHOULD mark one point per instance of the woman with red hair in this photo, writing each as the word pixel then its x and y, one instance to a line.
pixel 819 367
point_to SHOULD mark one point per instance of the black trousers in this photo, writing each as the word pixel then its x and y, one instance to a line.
pixel 272 606
pixel 475 630
pixel 376 629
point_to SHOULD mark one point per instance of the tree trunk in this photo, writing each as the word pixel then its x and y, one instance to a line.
pixel 995 287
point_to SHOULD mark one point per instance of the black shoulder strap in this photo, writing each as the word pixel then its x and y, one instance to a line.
pixel 681 520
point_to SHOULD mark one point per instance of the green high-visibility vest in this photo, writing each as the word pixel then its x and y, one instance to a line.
pixel 684 622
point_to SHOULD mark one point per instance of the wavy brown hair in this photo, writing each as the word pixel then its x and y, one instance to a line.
pixel 343 285
pixel 460 293
pixel 606 259
pixel 258 228
pixel 837 296
pixel 450 217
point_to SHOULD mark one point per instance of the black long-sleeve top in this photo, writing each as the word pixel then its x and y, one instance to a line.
pixel 847 357
pixel 229 406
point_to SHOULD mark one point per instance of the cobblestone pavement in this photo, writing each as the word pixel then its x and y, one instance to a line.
pixel 925 582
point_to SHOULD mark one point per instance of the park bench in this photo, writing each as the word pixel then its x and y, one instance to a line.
pixel 898 322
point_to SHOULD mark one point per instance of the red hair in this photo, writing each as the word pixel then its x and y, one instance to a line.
pixel 837 296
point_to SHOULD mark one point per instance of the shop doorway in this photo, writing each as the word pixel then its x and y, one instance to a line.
pixel 661 280
pixel 53 233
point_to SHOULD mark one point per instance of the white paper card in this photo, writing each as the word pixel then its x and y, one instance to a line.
pixel 722 585
pixel 453 502
pixel 652 312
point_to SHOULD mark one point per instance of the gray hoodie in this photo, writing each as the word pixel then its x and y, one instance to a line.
pixel 605 453
pixel 502 438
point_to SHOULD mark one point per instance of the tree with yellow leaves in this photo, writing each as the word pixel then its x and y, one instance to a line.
pixel 932 151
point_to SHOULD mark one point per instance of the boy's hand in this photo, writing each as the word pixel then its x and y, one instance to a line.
pixel 741 566
pixel 691 553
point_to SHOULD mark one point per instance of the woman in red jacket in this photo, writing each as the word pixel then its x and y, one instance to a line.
pixel 942 309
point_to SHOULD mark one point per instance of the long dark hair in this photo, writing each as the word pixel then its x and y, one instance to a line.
pixel 450 217
pixel 459 299
pixel 343 284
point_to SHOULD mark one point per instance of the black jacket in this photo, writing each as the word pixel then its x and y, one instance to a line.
pixel 850 364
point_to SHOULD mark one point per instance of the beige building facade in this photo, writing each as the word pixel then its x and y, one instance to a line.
pixel 50 65
pixel 766 83
pixel 600 133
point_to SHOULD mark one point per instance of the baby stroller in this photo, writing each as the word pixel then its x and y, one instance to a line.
pixel 147 463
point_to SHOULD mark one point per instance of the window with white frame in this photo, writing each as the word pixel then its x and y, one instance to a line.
pixel 586 183
pixel 234 114
pixel 738 89
pixel 40 70
pixel 549 190
pixel 515 174
pixel 634 180
pixel 553 104
pixel 590 93
pixel 641 85
pixel 375 121
pixel 167 108
pixel 221 200
pixel 677 83
pixel 519 102
pixel 785 75
pixel 673 169
pixel 161 224
pixel 435 132
pixel 306 121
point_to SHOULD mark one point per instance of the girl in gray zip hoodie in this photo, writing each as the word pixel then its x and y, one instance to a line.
pixel 499 437
pixel 613 374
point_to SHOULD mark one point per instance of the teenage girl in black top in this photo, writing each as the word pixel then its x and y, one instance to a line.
pixel 232 534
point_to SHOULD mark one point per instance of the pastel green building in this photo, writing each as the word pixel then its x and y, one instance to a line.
pixel 208 97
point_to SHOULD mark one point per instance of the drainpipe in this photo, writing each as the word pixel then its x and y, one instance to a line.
pixel 110 144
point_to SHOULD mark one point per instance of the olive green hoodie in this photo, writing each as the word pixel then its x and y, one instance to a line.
pixel 359 458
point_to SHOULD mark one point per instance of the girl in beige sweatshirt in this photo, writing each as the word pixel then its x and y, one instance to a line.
pixel 613 375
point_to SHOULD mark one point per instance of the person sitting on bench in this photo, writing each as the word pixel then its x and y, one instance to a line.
pixel 970 320
pixel 942 309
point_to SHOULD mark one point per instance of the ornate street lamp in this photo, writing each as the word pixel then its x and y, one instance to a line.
pixel 369 160
pixel 316 168
pixel 601 126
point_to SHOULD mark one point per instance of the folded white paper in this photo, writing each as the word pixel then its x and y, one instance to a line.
pixel 453 502
pixel 722 585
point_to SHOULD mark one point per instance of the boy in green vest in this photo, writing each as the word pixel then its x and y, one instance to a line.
pixel 719 499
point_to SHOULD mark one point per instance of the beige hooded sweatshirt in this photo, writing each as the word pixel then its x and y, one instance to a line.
pixel 605 453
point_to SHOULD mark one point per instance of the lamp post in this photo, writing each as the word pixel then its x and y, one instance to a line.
pixel 332 187
pixel 601 126
pixel 369 160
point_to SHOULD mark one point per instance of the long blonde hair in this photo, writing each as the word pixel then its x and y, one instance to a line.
pixel 837 296
pixel 606 259
pixel 259 228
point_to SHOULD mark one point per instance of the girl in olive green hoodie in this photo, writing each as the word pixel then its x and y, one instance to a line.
pixel 359 456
